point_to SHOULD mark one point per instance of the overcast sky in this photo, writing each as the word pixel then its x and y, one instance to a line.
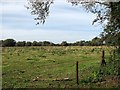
pixel 64 23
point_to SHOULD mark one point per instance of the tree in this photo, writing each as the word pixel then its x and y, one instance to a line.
pixel 64 43
pixel 105 11
pixel 79 43
pixel 88 43
pixel 9 43
pixel 96 41
pixel 28 44
pixel 39 43
pixel 35 43
pixel 21 43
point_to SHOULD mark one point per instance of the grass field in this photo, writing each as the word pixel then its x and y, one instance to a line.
pixel 50 66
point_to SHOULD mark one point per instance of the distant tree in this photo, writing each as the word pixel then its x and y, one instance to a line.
pixel 9 43
pixel 21 43
pixel 81 43
pixel 75 43
pixel 35 43
pixel 57 44
pixel 87 43
pixel 28 44
pixel 46 43
pixel 52 44
pixel 1 42
pixel 39 43
pixel 64 43
pixel 96 42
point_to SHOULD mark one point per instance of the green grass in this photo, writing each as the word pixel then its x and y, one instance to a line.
pixel 46 67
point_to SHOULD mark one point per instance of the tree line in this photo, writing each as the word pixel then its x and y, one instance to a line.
pixel 94 42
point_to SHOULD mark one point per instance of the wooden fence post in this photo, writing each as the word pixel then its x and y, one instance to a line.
pixel 103 58
pixel 77 72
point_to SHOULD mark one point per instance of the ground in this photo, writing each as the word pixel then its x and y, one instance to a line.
pixel 55 67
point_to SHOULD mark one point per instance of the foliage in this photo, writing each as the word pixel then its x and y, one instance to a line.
pixel 94 42
pixel 28 44
pixel 35 43
pixel 104 73
pixel 64 43
pixel 39 8
pixel 8 42
pixel 97 41
pixel 21 43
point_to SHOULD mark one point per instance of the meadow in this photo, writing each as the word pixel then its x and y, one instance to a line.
pixel 53 67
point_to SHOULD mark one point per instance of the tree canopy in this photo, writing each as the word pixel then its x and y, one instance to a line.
pixel 8 42
pixel 40 8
